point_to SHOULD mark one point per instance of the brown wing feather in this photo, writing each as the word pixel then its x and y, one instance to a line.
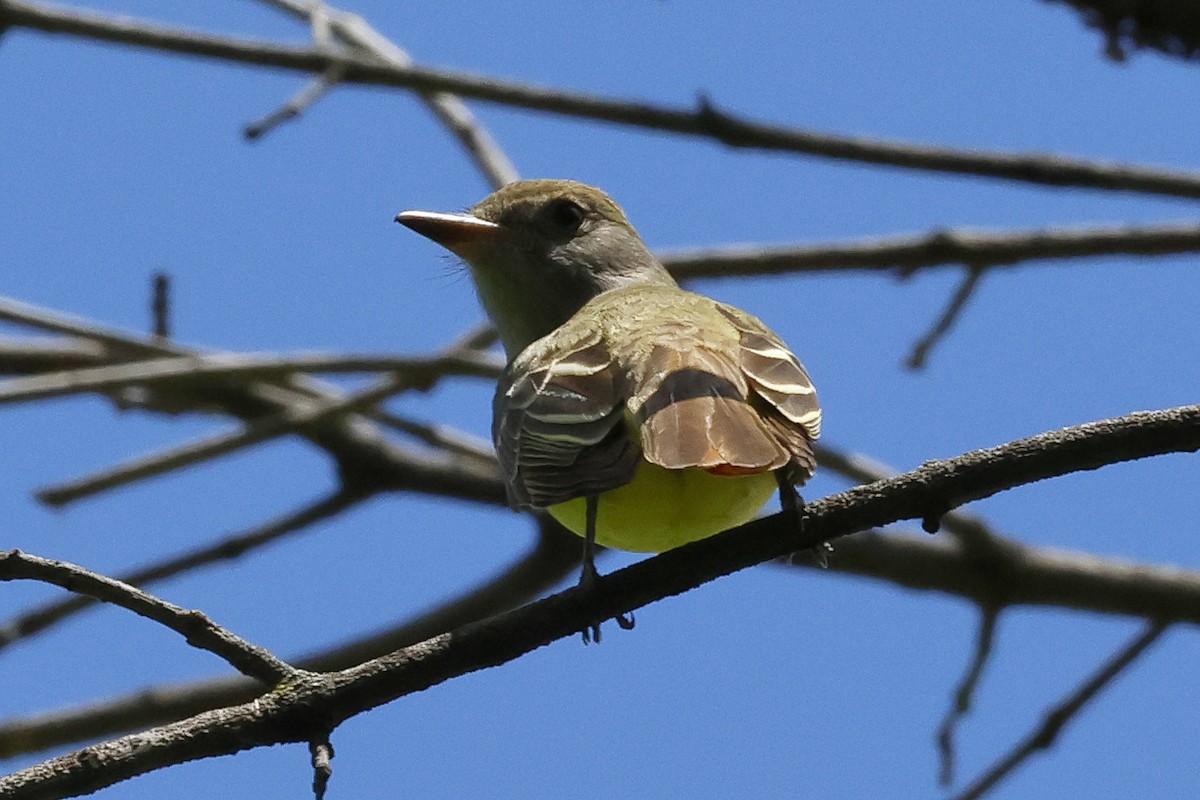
pixel 784 392
pixel 692 403
pixel 558 421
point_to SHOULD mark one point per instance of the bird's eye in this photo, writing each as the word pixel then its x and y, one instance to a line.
pixel 567 215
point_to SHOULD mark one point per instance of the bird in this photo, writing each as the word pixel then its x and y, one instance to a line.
pixel 640 415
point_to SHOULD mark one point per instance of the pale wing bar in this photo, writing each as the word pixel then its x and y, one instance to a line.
pixel 779 378
pixel 558 424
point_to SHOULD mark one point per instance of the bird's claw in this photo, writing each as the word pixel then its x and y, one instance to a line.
pixel 589 582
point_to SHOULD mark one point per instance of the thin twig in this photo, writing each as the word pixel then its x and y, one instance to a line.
pixel 313 91
pixel 356 445
pixel 31 316
pixel 465 477
pixel 160 305
pixel 195 627
pixel 554 556
pixel 943 247
pixel 965 693
pixel 209 447
pixel 443 437
pixel 949 315
pixel 1057 718
pixel 318 21
pixel 704 121
pixel 414 372
pixel 33 356
pixel 122 342
pixel 449 109
pixel 293 418
pixel 321 751
pixel 480 337
pixel 39 619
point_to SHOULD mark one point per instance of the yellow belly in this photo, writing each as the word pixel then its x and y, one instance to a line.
pixel 665 508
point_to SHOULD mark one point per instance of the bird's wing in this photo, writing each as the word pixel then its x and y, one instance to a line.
pixel 694 409
pixel 781 388
pixel 558 421
pixel 730 399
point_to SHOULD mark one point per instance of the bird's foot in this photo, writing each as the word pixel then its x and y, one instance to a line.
pixel 793 506
pixel 589 582
pixel 819 555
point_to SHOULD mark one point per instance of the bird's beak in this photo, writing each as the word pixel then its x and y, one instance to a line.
pixel 461 234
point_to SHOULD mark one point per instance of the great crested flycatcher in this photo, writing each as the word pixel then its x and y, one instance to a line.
pixel 640 415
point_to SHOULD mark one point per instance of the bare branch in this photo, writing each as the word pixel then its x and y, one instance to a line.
pixel 359 448
pixel 480 337
pixel 31 356
pixel 160 305
pixel 1064 712
pixel 420 373
pixel 322 754
pixel 315 89
pixel 705 121
pixel 364 460
pixel 195 627
pixel 964 694
pixel 312 92
pixel 327 699
pixel 32 316
pixel 908 254
pixel 415 372
pixel 1169 26
pixel 260 430
pixel 318 20
pixel 1024 575
pixel 450 110
pixel 443 437
pixel 969 529
pixel 39 619
pixel 124 343
pixel 943 324
pixel 554 556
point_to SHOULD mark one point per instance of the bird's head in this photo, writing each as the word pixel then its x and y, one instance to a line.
pixel 539 250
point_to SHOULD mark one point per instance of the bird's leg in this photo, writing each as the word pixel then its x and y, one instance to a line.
pixel 589 579
pixel 789 499
pixel 793 506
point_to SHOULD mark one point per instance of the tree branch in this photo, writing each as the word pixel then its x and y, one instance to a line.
pixel 451 111
pixel 300 708
pixel 555 555
pixel 945 321
pixel 400 466
pixel 195 627
pixel 950 246
pixel 705 121
pixel 1169 26
pixel 413 372
pixel 965 693
pixel 361 450
pixel 1064 712
pixel 303 100
pixel 33 356
pixel 39 619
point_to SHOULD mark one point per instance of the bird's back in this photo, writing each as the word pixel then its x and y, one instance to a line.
pixel 687 381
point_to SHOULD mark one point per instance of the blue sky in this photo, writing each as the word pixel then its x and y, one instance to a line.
pixel 119 163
